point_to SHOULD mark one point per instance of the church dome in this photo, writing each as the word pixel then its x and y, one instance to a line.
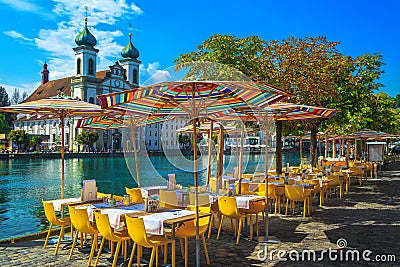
pixel 85 37
pixel 130 51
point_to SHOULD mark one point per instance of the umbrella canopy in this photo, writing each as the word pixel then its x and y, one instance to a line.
pixel 111 121
pixel 62 106
pixel 370 134
pixel 194 99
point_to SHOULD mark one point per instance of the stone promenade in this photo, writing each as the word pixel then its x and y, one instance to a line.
pixel 361 229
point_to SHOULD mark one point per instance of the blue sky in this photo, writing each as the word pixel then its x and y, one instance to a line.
pixel 32 32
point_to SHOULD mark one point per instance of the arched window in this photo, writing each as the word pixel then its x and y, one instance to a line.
pixel 91 100
pixel 135 76
pixel 78 66
pixel 91 67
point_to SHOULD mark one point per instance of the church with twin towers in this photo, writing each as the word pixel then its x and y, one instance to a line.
pixel 86 84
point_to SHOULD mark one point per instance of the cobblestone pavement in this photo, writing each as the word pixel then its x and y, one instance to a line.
pixel 366 218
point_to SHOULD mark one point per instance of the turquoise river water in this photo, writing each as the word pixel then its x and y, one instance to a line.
pixel 25 182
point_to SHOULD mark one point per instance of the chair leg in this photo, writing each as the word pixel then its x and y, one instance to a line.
pixel 139 254
pixel 48 235
pixel 251 227
pixel 165 253
pixel 186 252
pixel 257 224
pixel 73 245
pixel 304 208
pixel 132 255
pixel 182 248
pixel 98 253
pixel 205 249
pixel 287 203
pixel 59 240
pixel 152 257
pixel 211 225
pixel 94 244
pixel 173 252
pixel 239 230
pixel 156 248
pixel 220 225
pixel 116 253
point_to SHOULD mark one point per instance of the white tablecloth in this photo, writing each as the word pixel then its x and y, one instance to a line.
pixel 57 204
pixel 154 223
pixel 243 202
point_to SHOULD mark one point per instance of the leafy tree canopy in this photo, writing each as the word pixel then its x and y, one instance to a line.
pixel 87 138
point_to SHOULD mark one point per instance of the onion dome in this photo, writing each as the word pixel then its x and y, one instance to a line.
pixel 130 51
pixel 85 37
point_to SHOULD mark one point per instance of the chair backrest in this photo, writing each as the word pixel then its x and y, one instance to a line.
pixel 213 185
pixel 103 225
pixel 244 188
pixel 137 231
pixel 80 220
pixel 271 191
pixel 168 198
pixel 334 180
pixel 356 171
pixel 227 206
pixel 294 192
pixel 205 220
pixel 135 195
pixel 204 200
pixel 50 213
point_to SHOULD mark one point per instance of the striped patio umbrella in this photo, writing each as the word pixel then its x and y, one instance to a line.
pixel 194 99
pixel 62 106
pixel 111 121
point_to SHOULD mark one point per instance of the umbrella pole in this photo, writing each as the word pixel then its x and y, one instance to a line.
pixel 220 166
pixel 240 167
pixel 326 147
pixel 136 156
pixel 196 186
pixel 301 152
pixel 209 152
pixel 62 156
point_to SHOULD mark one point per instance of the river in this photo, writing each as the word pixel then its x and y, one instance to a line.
pixel 25 182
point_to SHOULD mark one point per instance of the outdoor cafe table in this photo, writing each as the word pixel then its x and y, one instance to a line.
pixel 154 222
pixel 115 213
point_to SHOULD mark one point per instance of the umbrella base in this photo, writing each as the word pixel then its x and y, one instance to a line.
pixel 262 239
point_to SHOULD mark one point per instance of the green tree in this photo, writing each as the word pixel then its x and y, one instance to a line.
pixel 18 137
pixel 5 101
pixel 16 97
pixel 36 141
pixel 4 127
pixel 87 138
pixel 397 99
pixel 183 139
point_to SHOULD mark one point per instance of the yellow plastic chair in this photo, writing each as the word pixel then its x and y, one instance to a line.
pixel 296 193
pixel 135 195
pixel 204 200
pixel 244 188
pixel 108 233
pixel 168 199
pixel 255 208
pixel 52 218
pixel 335 182
pixel 228 208
pixel 138 234
pixel 80 221
pixel 188 229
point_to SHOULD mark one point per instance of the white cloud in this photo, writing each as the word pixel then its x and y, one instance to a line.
pixel 154 74
pixel 21 5
pixel 17 35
